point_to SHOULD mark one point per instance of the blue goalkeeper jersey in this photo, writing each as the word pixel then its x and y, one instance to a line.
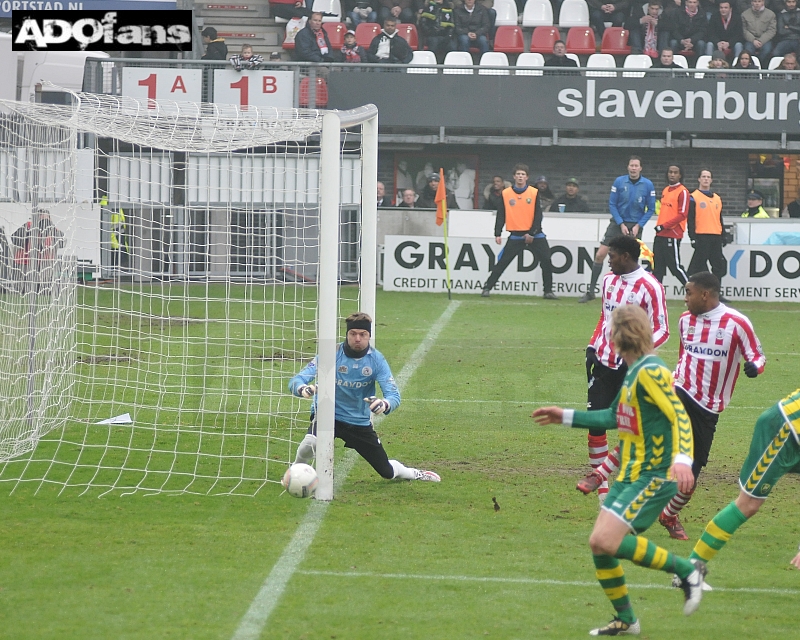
pixel 355 380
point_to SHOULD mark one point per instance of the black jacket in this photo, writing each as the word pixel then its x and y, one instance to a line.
pixel 437 19
pixel 578 204
pixel 306 49
pixel 682 26
pixel 427 199
pixel 476 22
pixel 399 50
pixel 216 50
pixel 788 25
pixel 716 31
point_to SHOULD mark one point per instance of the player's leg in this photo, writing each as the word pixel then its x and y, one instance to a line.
pixel 307 449
pixel 719 264
pixel 541 249
pixel 510 251
pixel 604 384
pixel 675 261
pixel 660 257
pixel 704 426
pixel 636 505
pixel 612 231
pixel 773 453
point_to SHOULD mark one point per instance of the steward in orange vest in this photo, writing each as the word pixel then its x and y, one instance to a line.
pixel 670 226
pixel 705 228
pixel 520 212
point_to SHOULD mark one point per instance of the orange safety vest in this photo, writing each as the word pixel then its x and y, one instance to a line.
pixel 707 213
pixel 520 208
pixel 670 216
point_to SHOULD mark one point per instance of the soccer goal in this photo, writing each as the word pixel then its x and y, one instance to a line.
pixel 165 269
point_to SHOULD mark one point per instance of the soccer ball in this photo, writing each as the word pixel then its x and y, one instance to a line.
pixel 300 480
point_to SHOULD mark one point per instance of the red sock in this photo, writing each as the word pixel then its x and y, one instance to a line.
pixel 678 502
pixel 610 464
pixel 598 452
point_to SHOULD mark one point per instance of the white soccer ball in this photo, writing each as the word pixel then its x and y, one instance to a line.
pixel 300 480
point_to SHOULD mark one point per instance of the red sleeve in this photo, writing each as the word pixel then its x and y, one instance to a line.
pixel 750 344
pixel 656 308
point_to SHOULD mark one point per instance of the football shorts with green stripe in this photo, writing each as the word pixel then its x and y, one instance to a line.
pixel 774 452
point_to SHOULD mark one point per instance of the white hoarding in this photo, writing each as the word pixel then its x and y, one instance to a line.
pixel 415 263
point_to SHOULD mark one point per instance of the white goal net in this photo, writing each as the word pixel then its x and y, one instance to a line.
pixel 165 268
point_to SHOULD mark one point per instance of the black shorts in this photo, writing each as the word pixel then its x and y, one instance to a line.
pixel 613 230
pixel 365 441
pixel 604 382
pixel 704 426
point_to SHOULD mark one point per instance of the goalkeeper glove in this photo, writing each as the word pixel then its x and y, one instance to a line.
pixel 377 405
pixel 659 228
pixel 750 369
pixel 306 390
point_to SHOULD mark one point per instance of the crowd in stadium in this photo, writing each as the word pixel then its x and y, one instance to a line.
pixel 701 33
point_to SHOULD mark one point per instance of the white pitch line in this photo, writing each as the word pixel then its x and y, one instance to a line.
pixel 542 403
pixel 532 581
pixel 254 621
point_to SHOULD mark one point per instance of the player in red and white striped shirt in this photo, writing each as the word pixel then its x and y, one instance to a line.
pixel 714 340
pixel 628 283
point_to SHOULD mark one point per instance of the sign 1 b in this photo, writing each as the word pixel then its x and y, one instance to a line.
pixel 261 88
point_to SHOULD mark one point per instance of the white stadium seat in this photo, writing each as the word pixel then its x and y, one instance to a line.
pixel 329 6
pixel 506 13
pixel 537 13
pixel 574 13
pixel 775 62
pixel 423 59
pixel 496 63
pixel 458 59
pixel 636 61
pixel 601 61
pixel 529 60
pixel 681 60
pixel 701 63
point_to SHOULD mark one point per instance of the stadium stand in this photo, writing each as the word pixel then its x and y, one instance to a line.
pixel 335 31
pixel 509 40
pixel 581 41
pixel 574 13
pixel 506 13
pixel 615 41
pixel 537 13
pixel 409 33
pixel 366 32
pixel 543 39
pixel 321 91
pixel 332 7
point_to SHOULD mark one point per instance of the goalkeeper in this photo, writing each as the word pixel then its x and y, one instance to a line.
pixel 657 447
pixel 358 367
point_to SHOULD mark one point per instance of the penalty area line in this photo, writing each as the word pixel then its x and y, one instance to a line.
pixel 531 581
pixel 255 619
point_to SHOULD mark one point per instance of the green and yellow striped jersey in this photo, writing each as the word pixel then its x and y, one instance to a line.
pixel 790 408
pixel 653 425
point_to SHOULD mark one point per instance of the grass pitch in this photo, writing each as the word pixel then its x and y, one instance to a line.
pixel 419 560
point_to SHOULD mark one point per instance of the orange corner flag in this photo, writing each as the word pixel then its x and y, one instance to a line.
pixel 441 200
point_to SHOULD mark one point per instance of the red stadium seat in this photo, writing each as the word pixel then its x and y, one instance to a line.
pixel 366 32
pixel 409 33
pixel 543 39
pixel 615 41
pixel 508 39
pixel 335 31
pixel 580 41
pixel 322 92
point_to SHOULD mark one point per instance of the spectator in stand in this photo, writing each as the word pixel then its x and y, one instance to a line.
pixel 427 199
pixel 560 59
pixel 288 9
pixel 472 26
pixel 788 36
pixel 216 49
pixel 571 201
pixel 363 12
pixel 648 32
pixel 388 46
pixel 400 10
pixel 311 44
pixel 275 56
pixel 351 50
pixel 759 26
pixel 545 196
pixel 437 25
pixel 687 32
pixel 789 63
pixel 666 60
pixel 383 201
pixel 718 61
pixel 246 59
pixel 409 199
pixel 493 193
pixel 745 61
pixel 601 11
pixel 725 32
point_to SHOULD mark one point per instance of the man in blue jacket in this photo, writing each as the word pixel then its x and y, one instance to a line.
pixel 358 367
pixel 632 202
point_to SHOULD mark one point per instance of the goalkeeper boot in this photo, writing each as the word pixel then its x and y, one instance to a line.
pixel 693 588
pixel 586 297
pixel 427 476
pixel 590 483
pixel 673 526
pixel 618 628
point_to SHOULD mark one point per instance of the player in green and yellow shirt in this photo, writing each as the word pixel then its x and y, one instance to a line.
pixel 774 452
pixel 656 449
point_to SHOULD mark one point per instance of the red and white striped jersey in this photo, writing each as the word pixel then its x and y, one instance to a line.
pixel 638 287
pixel 712 346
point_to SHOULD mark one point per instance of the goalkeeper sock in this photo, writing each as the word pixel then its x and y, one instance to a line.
pixel 402 471
pixel 612 578
pixel 718 532
pixel 648 554
pixel 307 449
pixel 597 269
pixel 678 502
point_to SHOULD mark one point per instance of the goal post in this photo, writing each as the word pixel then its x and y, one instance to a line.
pixel 218 248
